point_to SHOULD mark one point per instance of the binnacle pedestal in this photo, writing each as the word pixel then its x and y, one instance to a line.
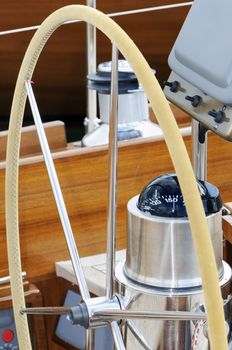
pixel 161 271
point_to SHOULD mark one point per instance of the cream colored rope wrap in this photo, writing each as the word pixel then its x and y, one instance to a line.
pixel 175 145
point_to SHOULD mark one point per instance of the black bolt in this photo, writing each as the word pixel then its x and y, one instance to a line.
pixel 174 85
pixel 218 115
pixel 195 100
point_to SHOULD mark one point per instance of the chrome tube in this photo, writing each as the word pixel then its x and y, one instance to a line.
pixel 50 310
pixel 115 14
pixel 6 279
pixel 77 267
pixel 118 341
pixel 112 193
pixel 112 177
pixel 58 195
pixel 91 68
pixel 159 315
pixel 199 153
pixel 91 110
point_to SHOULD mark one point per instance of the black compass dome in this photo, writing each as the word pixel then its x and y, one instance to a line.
pixel 163 197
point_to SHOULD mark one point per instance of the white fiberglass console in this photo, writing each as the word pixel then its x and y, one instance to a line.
pixel 201 63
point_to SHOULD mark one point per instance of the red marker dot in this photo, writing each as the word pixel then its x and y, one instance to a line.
pixel 8 335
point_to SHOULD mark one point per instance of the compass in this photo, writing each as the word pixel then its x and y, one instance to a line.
pixel 163 197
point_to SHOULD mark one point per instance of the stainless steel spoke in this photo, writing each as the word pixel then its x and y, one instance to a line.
pixel 112 176
pixel 58 194
pixel 161 315
pixel 118 341
pixel 50 310
pixel 112 193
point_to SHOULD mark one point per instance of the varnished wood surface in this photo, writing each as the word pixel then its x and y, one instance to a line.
pixel 61 70
pixel 55 133
pixel 227 228
pixel 227 224
pixel 83 177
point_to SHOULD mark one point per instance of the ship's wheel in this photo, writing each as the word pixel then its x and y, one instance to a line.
pixel 95 312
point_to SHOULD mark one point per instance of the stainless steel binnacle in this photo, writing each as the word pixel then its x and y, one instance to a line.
pixel 166 334
pixel 161 270
pixel 160 251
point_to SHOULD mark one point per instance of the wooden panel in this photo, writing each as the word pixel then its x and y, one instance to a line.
pixel 227 223
pixel 227 227
pixel 61 69
pixel 55 133
pixel 83 177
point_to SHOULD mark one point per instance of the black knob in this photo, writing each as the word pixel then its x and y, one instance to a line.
pixel 218 115
pixel 174 85
pixel 195 100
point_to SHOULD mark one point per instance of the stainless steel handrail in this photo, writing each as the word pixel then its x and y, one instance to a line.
pixel 115 14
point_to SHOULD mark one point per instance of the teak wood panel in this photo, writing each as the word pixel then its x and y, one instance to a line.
pixel 83 177
pixel 29 144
